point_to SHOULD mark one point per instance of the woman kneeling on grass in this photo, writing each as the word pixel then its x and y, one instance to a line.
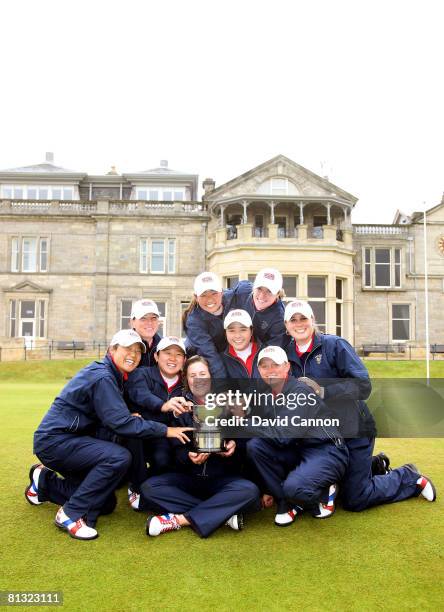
pixel 92 468
pixel 206 490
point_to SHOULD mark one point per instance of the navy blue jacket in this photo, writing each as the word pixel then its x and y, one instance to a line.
pixel 215 466
pixel 301 402
pixel 92 398
pixel 205 331
pixel 334 364
pixel 206 334
pixel 147 360
pixel 146 392
pixel 268 324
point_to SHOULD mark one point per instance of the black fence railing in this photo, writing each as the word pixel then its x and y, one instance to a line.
pixel 77 349
pixel 53 349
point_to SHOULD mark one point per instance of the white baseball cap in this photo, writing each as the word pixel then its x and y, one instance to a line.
pixel 168 341
pixel 269 278
pixel 298 307
pixel 143 307
pixel 275 353
pixel 238 316
pixel 127 337
pixel 207 281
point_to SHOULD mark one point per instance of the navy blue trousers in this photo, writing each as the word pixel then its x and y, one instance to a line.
pixel 297 475
pixel 361 490
pixel 207 503
pixel 91 471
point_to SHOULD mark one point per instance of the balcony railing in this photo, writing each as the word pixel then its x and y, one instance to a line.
pixel 231 232
pixel 285 232
pixel 317 232
pixel 259 232
pixel 112 207
pixel 389 230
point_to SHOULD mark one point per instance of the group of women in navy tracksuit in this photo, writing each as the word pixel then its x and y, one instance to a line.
pixel 143 394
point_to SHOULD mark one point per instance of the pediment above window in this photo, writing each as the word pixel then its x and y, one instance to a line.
pixel 27 287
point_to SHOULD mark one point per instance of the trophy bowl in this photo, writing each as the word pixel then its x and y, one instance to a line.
pixel 207 438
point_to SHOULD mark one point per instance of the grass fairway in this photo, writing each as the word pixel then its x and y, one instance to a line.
pixel 387 558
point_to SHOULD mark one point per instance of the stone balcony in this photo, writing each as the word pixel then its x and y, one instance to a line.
pixel 103 207
pixel 246 234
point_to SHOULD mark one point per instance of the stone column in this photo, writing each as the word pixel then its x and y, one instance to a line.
pixel 245 216
pixel 301 209
pixel 271 204
pixel 273 231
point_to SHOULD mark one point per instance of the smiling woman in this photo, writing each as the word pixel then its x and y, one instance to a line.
pixel 65 442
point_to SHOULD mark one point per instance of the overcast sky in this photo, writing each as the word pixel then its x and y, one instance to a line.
pixel 351 89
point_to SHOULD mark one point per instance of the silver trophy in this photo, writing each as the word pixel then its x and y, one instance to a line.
pixel 208 438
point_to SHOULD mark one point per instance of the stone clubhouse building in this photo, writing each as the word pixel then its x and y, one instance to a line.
pixel 77 249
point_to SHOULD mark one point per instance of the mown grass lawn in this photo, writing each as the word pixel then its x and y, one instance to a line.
pixel 387 558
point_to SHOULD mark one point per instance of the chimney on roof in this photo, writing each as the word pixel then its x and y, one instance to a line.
pixel 49 157
pixel 112 171
pixel 208 185
pixel 164 163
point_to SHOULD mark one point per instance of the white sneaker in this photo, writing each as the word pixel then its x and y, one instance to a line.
pixel 425 485
pixel 133 499
pixel 326 510
pixel 285 518
pixel 155 525
pixel 32 490
pixel 428 490
pixel 78 530
pixel 236 522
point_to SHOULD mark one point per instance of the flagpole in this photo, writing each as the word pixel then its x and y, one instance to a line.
pixel 426 298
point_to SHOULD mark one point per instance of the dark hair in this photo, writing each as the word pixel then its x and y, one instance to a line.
pixel 188 363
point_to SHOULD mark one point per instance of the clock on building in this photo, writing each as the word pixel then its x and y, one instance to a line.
pixel 441 245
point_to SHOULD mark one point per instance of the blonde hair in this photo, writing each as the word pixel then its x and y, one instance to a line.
pixel 189 309
pixel 280 294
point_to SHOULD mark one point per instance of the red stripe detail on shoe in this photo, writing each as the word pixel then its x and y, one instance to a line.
pixel 423 483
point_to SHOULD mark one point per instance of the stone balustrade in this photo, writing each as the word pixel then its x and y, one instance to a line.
pixel 384 230
pixel 246 234
pixel 99 207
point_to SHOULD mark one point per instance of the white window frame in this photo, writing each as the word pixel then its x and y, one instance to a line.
pixel 410 320
pixel 18 254
pixel 292 297
pixel 152 242
pixel 323 326
pixel 279 190
pixel 339 301
pixel 121 316
pixel 392 267
pixel 169 255
pixel 50 189
pixel 161 190
pixel 15 317
pixel 31 254
pixel 43 252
